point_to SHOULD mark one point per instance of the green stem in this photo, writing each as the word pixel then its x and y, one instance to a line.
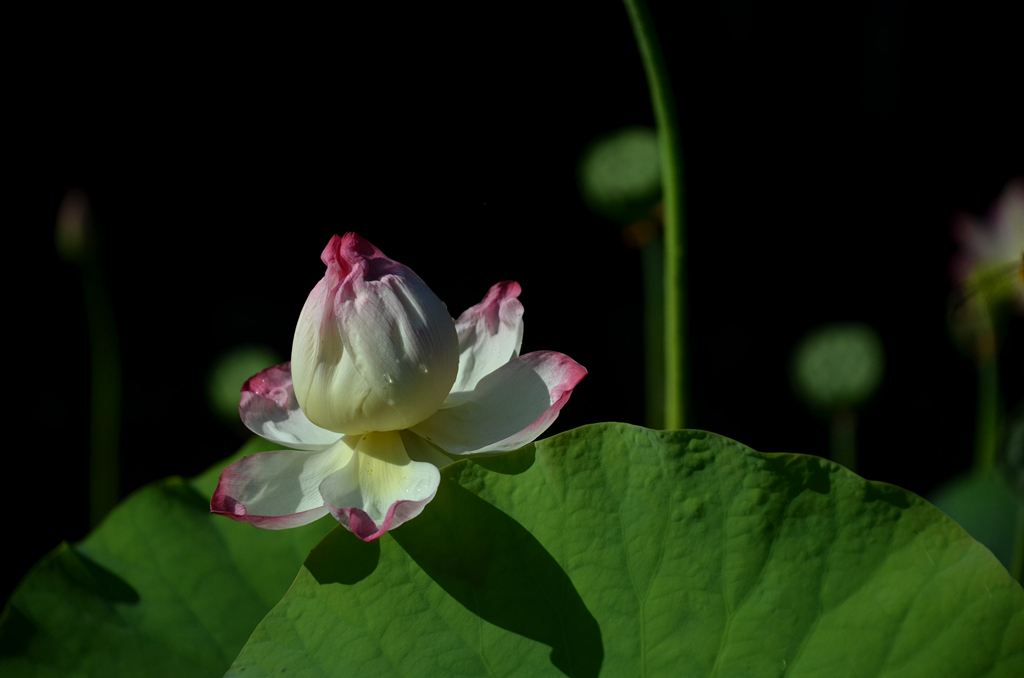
pixel 672 191
pixel 1018 546
pixel 652 259
pixel 986 433
pixel 844 438
pixel 105 396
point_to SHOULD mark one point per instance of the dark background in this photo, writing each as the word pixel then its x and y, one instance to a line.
pixel 826 150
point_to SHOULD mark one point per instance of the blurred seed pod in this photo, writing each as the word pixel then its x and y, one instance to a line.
pixel 838 367
pixel 619 174
pixel 229 372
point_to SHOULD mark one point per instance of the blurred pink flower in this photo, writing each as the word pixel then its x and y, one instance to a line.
pixel 381 378
pixel 990 261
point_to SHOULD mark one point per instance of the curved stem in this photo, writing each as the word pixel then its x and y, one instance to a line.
pixel 672 190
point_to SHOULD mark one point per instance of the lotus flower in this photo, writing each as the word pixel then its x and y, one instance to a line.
pixel 381 381
pixel 991 255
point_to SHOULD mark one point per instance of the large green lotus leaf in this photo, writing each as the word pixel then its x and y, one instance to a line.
pixel 622 551
pixel 161 588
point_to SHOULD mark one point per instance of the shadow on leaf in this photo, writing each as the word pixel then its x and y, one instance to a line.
pixel 90 577
pixel 497 570
pixel 510 464
pixel 876 491
pixel 342 558
pixel 802 471
pixel 16 632
pixel 74 576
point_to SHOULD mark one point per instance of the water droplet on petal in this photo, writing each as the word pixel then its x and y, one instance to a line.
pixel 387 378
pixel 391 401
pixel 423 368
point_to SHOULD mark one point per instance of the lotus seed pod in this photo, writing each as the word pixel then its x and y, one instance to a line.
pixel 838 366
pixel 620 174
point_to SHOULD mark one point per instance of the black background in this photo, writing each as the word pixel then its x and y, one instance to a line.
pixel 826 150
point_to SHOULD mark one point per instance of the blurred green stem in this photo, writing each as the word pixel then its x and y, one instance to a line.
pixel 675 372
pixel 1018 547
pixel 843 438
pixel 105 394
pixel 652 257
pixel 986 433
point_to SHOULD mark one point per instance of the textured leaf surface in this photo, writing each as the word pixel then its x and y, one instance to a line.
pixel 160 588
pixel 621 551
